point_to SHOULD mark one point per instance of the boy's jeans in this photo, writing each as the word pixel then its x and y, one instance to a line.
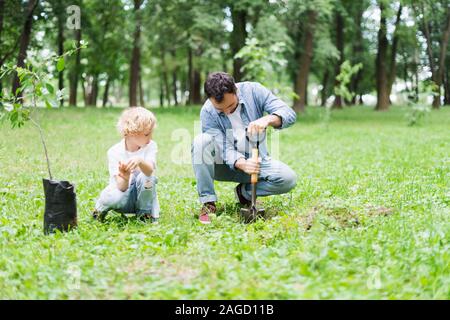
pixel 275 177
pixel 139 198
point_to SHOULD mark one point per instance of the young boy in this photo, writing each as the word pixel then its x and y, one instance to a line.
pixel 132 164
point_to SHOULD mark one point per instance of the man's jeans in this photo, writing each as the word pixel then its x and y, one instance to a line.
pixel 275 177
pixel 139 198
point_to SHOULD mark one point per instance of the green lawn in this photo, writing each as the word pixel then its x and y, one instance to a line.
pixel 375 193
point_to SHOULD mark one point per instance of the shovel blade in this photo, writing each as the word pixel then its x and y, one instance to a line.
pixel 249 215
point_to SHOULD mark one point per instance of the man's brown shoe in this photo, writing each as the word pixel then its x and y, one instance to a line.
pixel 240 198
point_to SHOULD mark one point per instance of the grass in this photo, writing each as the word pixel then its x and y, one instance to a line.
pixel 368 219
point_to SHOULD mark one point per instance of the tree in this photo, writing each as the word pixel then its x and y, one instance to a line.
pixel 301 83
pixel 306 20
pixel 238 36
pixel 434 21
pixel 24 42
pixel 11 20
pixel 75 62
pixel 2 10
pixel 135 63
pixel 340 41
pixel 386 74
pixel 357 48
pixel 75 72
pixel 59 13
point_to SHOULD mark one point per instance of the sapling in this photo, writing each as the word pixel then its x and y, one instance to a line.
pixel 417 107
pixel 17 107
pixel 347 71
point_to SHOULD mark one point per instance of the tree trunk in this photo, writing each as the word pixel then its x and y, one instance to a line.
pixel 437 72
pixel 75 72
pixel 141 91
pixel 189 76
pixel 340 46
pixel 161 90
pixel 358 51
pixel 174 78
pixel 224 59
pixel 106 92
pixel 194 81
pixel 442 57
pixel 135 57
pixel 196 88
pixel 305 64
pixel 238 36
pixel 83 86
pixel 324 93
pixel 174 86
pixel 24 42
pixel 61 52
pixel 2 10
pixel 416 74
pixel 92 91
pixel 393 63
pixel 183 81
pixel 447 87
pixel 381 68
pixel 165 77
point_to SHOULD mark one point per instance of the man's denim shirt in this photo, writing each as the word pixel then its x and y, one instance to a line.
pixel 255 100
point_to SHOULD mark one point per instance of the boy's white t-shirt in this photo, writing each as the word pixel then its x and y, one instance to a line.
pixel 238 128
pixel 118 153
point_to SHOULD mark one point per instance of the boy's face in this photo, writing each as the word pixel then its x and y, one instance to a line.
pixel 141 139
pixel 227 105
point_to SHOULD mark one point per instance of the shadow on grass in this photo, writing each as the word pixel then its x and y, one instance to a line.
pixel 122 220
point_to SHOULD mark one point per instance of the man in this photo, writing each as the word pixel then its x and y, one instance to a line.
pixel 233 112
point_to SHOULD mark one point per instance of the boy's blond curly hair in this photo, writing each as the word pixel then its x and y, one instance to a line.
pixel 136 120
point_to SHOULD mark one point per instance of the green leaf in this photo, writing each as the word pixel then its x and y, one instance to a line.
pixel 50 88
pixel 60 65
pixel 39 90
pixel 51 103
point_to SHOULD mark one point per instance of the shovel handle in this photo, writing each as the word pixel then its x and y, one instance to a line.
pixel 255 155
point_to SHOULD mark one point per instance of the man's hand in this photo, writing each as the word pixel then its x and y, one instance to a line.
pixel 133 163
pixel 258 126
pixel 249 166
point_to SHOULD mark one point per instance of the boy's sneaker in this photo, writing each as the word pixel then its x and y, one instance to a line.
pixel 147 217
pixel 239 197
pixel 154 220
pixel 99 216
pixel 209 207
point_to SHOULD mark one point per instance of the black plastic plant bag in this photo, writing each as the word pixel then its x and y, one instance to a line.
pixel 60 206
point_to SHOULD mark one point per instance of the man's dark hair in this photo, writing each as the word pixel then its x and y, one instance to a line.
pixel 219 83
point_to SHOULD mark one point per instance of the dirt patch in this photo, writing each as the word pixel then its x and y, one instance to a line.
pixel 342 217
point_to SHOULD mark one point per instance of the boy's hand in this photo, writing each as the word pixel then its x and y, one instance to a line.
pixel 133 163
pixel 123 172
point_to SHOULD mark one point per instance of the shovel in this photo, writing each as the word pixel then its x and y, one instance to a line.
pixel 250 214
